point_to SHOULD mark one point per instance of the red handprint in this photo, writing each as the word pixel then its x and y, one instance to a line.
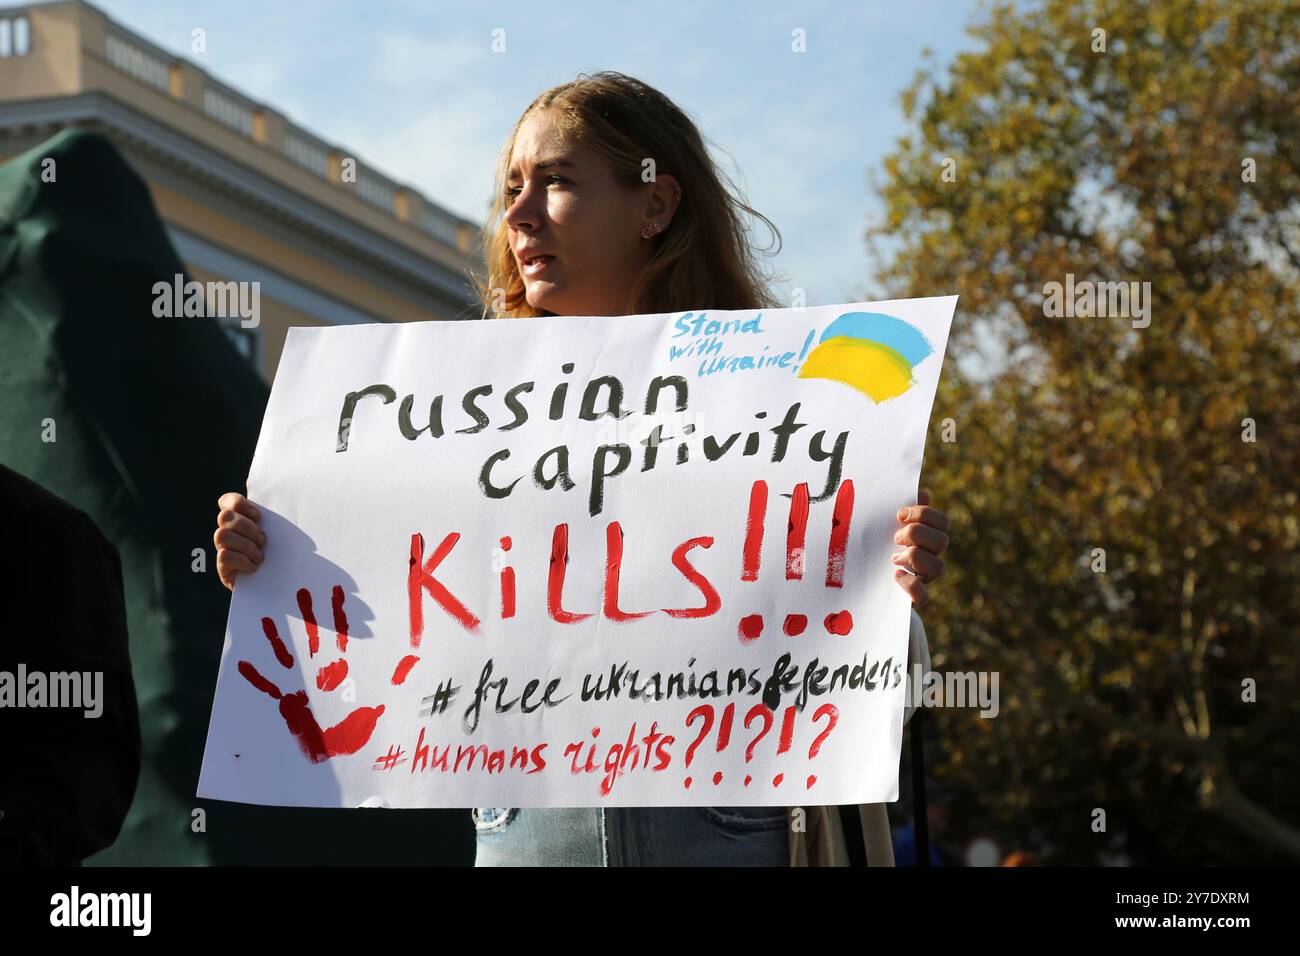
pixel 351 733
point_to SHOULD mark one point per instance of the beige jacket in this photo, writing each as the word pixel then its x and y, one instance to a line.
pixel 822 842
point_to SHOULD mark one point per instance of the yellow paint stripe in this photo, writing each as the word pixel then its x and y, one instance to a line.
pixel 873 368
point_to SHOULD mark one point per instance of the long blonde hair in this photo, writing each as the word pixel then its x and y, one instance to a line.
pixel 703 260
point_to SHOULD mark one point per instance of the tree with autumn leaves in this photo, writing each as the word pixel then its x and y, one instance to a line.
pixel 1123 495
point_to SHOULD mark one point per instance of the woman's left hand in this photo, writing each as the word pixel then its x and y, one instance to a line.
pixel 924 535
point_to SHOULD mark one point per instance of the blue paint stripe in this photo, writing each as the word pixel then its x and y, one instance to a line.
pixel 903 338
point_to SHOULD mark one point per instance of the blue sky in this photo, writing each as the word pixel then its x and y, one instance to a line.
pixel 416 89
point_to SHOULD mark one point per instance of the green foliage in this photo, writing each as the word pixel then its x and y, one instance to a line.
pixel 1120 689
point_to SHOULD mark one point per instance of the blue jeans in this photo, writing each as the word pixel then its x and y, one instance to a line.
pixel 631 836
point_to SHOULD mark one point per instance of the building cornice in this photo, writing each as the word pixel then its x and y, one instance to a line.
pixel 235 179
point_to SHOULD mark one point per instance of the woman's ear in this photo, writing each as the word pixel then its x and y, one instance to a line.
pixel 664 198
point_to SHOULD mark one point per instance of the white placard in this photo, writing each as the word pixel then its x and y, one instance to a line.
pixel 581 561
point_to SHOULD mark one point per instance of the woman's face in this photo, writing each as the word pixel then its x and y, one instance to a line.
pixel 567 206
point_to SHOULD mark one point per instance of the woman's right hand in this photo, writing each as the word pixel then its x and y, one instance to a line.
pixel 238 539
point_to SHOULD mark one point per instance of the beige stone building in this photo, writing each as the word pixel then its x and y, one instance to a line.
pixel 245 194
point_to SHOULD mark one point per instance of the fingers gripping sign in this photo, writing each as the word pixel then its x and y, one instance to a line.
pixel 924 536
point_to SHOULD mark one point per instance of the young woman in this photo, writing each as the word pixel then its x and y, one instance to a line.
pixel 609 204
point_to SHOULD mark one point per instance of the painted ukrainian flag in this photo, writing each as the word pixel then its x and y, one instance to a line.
pixel 870 351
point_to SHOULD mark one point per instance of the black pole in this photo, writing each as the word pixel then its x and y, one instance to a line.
pixel 920 821
pixel 854 838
